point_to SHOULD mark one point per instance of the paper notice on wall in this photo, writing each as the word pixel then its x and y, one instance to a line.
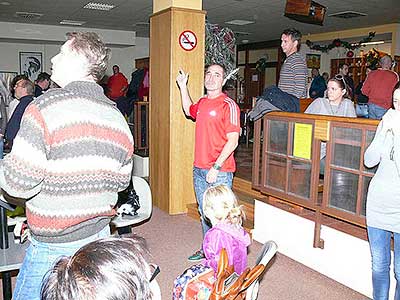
pixel 254 77
pixel 302 140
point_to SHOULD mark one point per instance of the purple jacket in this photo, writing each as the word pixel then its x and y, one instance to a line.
pixel 234 240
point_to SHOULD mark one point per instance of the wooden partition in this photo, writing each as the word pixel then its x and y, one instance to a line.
pixel 171 134
pixel 286 164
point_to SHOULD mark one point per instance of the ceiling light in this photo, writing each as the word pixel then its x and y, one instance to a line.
pixel 240 22
pixel 5 3
pixel 142 24
pixel 72 22
pixel 373 43
pixel 245 41
pixel 99 6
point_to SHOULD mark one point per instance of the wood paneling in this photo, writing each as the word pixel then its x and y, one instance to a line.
pixel 171 134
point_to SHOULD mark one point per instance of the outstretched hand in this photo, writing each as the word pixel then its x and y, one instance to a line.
pixel 182 78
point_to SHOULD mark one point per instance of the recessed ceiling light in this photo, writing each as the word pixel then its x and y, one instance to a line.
pixel 72 22
pixel 239 22
pixel 5 3
pixel 142 24
pixel 99 6
pixel 245 41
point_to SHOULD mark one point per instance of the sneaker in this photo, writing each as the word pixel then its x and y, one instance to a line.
pixel 198 255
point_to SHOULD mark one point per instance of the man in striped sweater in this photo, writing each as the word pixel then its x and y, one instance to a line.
pixel 217 133
pixel 71 156
pixel 293 75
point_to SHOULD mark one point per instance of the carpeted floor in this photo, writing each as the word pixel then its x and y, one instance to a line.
pixel 172 238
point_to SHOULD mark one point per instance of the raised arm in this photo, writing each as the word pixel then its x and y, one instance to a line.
pixel 182 80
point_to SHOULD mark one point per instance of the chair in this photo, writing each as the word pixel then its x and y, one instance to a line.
pixel 142 189
pixel 267 253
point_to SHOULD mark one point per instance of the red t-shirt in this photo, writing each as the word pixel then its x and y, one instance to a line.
pixel 115 84
pixel 215 118
pixel 379 87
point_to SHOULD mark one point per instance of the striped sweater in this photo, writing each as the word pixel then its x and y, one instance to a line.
pixel 293 76
pixel 71 156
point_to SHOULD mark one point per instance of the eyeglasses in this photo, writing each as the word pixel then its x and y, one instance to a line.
pixel 156 271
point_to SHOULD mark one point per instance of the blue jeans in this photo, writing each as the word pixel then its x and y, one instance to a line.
pixel 200 186
pixel 379 241
pixel 39 259
pixel 375 111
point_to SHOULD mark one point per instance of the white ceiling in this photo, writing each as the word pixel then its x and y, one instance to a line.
pixel 267 14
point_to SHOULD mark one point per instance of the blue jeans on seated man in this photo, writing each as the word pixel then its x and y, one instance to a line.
pixel 200 186
pixel 379 241
pixel 39 259
pixel 375 111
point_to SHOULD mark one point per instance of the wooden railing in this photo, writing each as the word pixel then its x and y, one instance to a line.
pixel 286 164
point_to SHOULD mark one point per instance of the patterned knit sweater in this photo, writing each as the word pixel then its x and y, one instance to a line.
pixel 71 156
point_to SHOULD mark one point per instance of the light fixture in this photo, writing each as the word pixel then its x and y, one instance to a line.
pixel 373 43
pixel 72 22
pixel 239 22
pixel 99 6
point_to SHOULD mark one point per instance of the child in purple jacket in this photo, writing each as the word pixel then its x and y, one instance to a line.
pixel 220 206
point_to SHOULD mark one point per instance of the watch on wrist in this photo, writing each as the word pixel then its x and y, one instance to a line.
pixel 216 166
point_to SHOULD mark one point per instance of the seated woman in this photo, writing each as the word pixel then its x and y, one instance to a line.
pixel 337 104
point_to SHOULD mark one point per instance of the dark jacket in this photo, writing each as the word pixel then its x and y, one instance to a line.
pixel 274 99
pixel 15 120
pixel 318 87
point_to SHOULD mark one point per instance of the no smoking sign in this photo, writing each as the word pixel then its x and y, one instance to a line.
pixel 187 40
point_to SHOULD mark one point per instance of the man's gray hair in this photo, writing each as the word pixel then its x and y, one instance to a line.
pixel 113 268
pixel 386 61
pixel 92 47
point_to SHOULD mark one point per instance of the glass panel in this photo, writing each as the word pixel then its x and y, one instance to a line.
pixel 347 147
pixel 300 179
pixel 276 172
pixel 366 181
pixel 278 136
pixel 270 76
pixel 369 136
pixel 241 57
pixel 343 193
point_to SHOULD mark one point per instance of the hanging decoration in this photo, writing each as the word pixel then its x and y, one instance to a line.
pixel 340 43
pixel 220 46
pixel 350 53
pixel 372 58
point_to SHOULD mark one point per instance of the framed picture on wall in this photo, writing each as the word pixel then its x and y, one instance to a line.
pixel 30 64
pixel 313 61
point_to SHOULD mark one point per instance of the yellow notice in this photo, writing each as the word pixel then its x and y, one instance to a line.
pixel 302 140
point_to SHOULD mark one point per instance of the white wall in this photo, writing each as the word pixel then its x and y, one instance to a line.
pixel 124 57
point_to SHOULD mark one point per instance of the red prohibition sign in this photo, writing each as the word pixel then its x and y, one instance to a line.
pixel 187 40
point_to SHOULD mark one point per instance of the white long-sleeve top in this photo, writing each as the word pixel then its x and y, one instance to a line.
pixel 383 198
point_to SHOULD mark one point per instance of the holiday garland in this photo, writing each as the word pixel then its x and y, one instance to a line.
pixel 339 43
pixel 220 47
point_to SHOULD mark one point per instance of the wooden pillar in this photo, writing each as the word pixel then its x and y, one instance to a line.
pixel 171 134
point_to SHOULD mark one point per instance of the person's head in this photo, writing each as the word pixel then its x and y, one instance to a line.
pixel 344 69
pixel 214 78
pixel 14 82
pixel 314 72
pixel 386 62
pixel 325 75
pixel 220 205
pixel 290 41
pixel 43 80
pixel 115 69
pixel 23 87
pixel 396 96
pixel 82 57
pixel 107 269
pixel 337 89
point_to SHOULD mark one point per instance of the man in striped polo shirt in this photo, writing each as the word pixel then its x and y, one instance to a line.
pixel 293 75
pixel 217 133
pixel 71 156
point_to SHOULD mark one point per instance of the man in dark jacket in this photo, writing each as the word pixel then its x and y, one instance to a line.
pixel 23 91
pixel 42 83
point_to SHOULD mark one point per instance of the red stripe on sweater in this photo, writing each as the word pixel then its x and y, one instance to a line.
pixel 91 130
pixel 37 117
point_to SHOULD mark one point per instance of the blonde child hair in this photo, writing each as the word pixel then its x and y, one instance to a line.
pixel 220 204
